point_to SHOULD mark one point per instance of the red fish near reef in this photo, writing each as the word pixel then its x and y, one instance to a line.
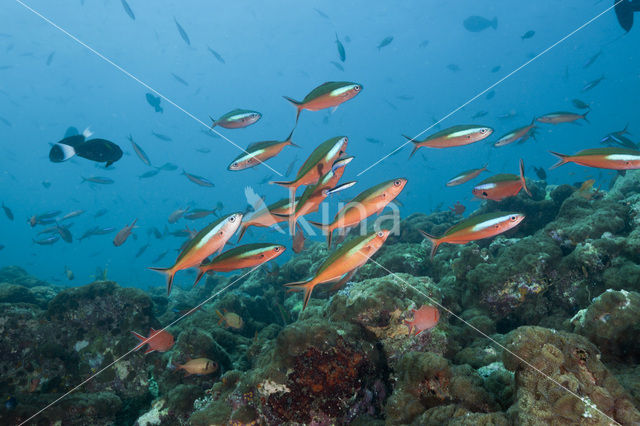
pixel 158 340
pixel 476 228
pixel 327 95
pixel 424 318
pixel 602 158
pixel 520 135
pixel 458 208
pixel 501 186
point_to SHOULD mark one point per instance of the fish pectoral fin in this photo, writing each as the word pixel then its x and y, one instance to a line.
pixel 343 280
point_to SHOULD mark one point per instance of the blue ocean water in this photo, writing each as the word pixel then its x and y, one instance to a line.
pixel 274 49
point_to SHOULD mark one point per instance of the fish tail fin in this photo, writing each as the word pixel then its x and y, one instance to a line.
pixel 523 180
pixel 87 133
pixel 201 272
pixel 142 340
pixel 296 104
pixel 435 242
pixel 290 136
pixel 494 23
pixel 67 151
pixel 213 122
pixel 243 229
pixel 563 159
pixel 306 286
pixel 625 131
pixel 415 145
pixel 584 116
pixel 170 273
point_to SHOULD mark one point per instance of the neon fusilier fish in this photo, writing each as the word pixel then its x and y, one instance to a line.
pixel 98 179
pixel 342 263
pixel 245 256
pixel 128 10
pixel 177 215
pixel 139 152
pixel 216 55
pixel 236 119
pixel 260 152
pixel 602 158
pixel 466 176
pixel 209 240
pixel 180 79
pixel 47 241
pixel 590 85
pixel 198 180
pixel 161 136
pixel 341 51
pixel 580 104
pixel 314 195
pixel 72 214
pixel 318 164
pixel 183 33
pixel 460 135
pixel 562 117
pixel 365 204
pixel 327 95
pixel 148 174
pixel 476 228
pixel 142 250
pixel 501 186
pixel 519 135
pixel 7 212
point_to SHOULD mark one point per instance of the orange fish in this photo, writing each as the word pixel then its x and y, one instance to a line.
pixel 268 216
pixel 460 135
pixel 199 367
pixel 327 95
pixel 319 163
pixel 206 242
pixel 298 240
pixel 501 186
pixel 562 117
pixel 424 318
pixel 365 204
pixel 245 256
pixel 476 228
pixel 314 195
pixel 259 152
pixel 343 262
pixel 158 340
pixel 602 158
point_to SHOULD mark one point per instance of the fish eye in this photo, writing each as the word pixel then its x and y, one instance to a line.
pixel 483 130
pixel 397 182
pixel 276 249
pixel 356 88
pixel 484 193
pixel 232 219
pixel 513 218
pixel 380 234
